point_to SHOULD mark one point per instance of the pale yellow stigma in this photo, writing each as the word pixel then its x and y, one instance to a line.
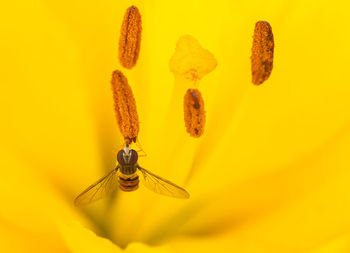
pixel 190 60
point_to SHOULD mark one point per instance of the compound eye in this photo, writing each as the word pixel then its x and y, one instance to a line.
pixel 134 157
pixel 120 157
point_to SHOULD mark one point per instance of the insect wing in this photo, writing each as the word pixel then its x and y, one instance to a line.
pixel 162 186
pixel 98 190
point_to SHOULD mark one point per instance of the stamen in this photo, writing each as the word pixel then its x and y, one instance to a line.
pixel 130 38
pixel 194 113
pixel 262 52
pixel 125 107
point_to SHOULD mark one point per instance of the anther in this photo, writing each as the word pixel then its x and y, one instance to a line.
pixel 125 107
pixel 262 52
pixel 130 38
pixel 194 113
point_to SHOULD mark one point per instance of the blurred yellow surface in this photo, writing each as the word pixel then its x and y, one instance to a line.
pixel 270 174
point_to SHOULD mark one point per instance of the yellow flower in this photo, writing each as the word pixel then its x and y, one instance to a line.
pixel 270 173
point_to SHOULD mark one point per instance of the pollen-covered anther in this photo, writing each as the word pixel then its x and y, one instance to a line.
pixel 194 113
pixel 125 107
pixel 130 38
pixel 262 52
pixel 190 61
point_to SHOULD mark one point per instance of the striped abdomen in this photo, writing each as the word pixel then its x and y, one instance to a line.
pixel 128 183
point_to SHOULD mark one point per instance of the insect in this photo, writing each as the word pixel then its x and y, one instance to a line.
pixel 125 175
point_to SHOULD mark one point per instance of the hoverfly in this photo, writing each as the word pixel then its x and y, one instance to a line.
pixel 125 175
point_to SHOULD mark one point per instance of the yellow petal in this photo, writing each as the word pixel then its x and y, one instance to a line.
pixel 310 209
pixel 140 247
pixel 264 165
pixel 80 239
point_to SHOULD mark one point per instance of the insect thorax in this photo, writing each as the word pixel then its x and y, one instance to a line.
pixel 127 169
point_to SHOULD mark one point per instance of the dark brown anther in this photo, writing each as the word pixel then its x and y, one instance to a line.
pixel 194 113
pixel 262 52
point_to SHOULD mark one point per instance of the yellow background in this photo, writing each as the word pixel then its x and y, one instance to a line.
pixel 270 174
